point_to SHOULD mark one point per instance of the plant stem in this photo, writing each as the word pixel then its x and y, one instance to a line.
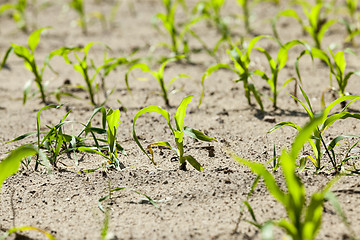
pixel 164 92
pixel 38 80
pixel 328 153
pixel 88 84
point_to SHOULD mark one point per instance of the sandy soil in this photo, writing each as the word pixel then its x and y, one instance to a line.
pixel 193 205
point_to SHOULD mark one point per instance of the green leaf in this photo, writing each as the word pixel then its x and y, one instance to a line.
pixel 23 52
pixel 10 165
pixel 38 118
pixel 22 137
pixel 324 28
pixel 340 62
pixel 181 112
pixel 197 135
pixel 283 124
pixel 208 72
pixel 149 199
pixel 193 162
pixel 283 52
pixel 113 119
pixel 342 115
pixel 337 101
pixel 34 38
pixel 7 54
pixel 27 228
pixel 91 150
pixel 141 66
pixel 269 179
pixel 313 214
pixel 335 141
pixel 150 109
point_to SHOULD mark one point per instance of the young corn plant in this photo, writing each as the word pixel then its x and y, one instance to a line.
pixel 337 66
pixel 158 75
pixel 90 72
pixel 210 10
pixel 179 132
pixel 111 147
pixel 317 24
pixel 18 12
pixel 241 62
pixel 317 142
pixel 246 14
pixel 304 213
pixel 78 6
pixel 169 22
pixel 350 21
pixel 50 144
pixel 275 66
pixel 28 55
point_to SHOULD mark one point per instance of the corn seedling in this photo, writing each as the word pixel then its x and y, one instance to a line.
pixel 169 23
pixel 317 24
pixel 337 66
pixel 179 132
pixel 52 143
pixel 6 55
pixel 317 141
pixel 158 75
pixel 275 66
pixel 84 66
pixel 303 217
pixel 18 12
pixel 78 6
pixel 28 55
pixel 111 147
pixel 246 14
pixel 210 10
pixel 241 60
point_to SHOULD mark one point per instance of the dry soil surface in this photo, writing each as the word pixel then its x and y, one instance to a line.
pixel 193 205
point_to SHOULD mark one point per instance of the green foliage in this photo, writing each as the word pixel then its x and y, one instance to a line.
pixel 169 23
pixel 52 143
pixel 303 218
pixel 241 62
pixel 317 24
pixel 86 67
pixel 179 132
pixel 78 6
pixel 246 12
pixel 111 147
pixel 210 10
pixel 56 142
pixel 337 66
pixel 325 121
pixel 158 75
pixel 10 165
pixel 6 55
pixel 28 55
pixel 18 12
pixel 275 66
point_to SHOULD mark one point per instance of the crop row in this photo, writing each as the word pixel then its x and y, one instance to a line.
pixel 303 217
